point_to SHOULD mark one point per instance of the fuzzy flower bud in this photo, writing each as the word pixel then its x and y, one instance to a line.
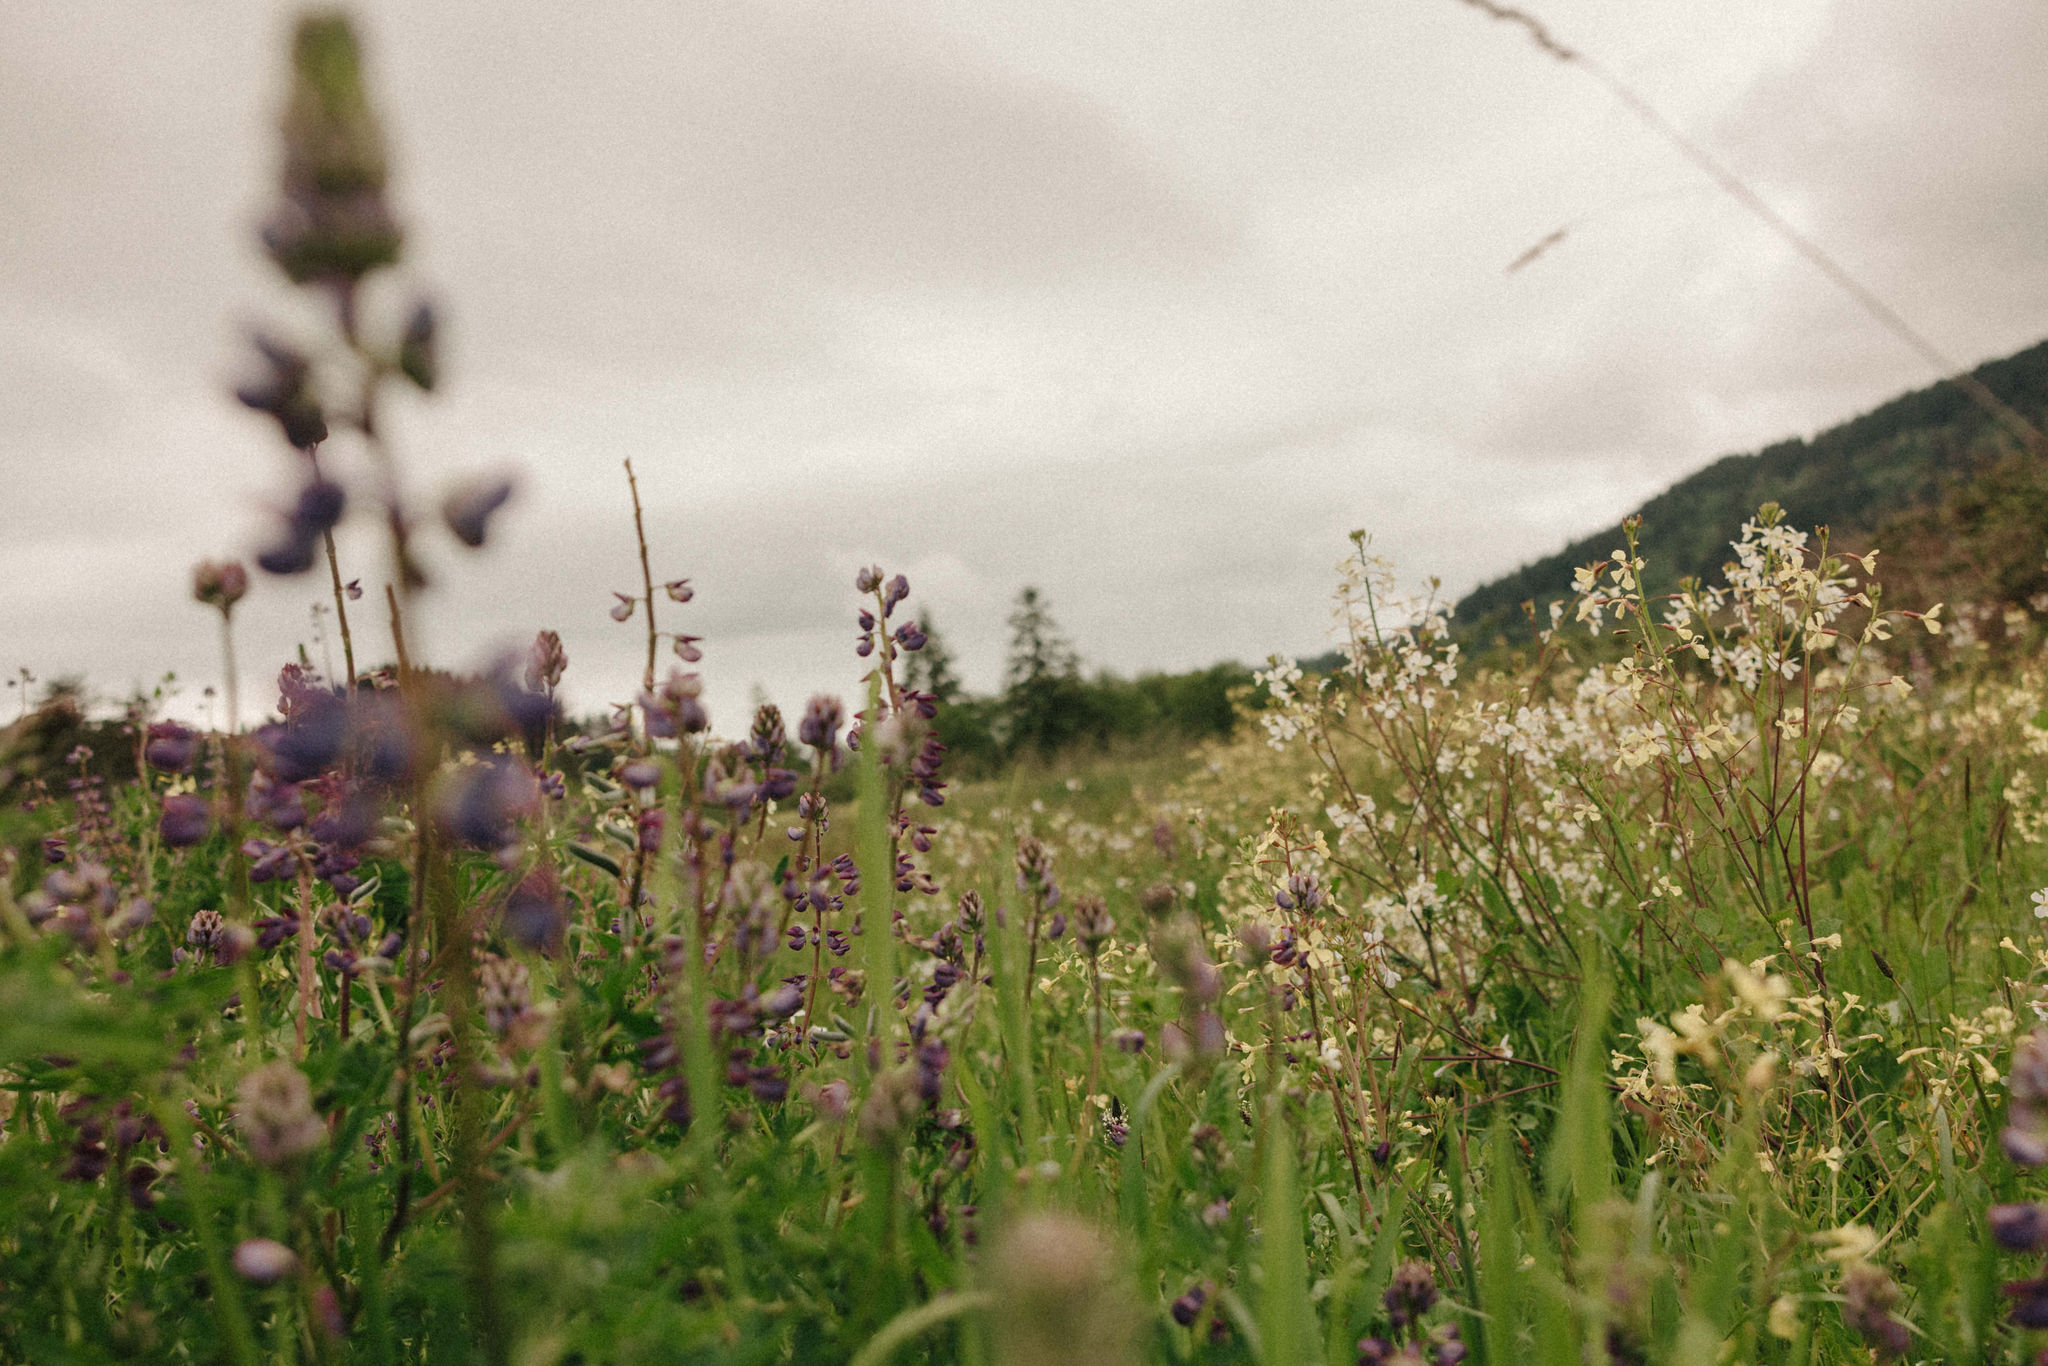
pixel 2020 1227
pixel 820 727
pixel 220 583
pixel 1867 1299
pixel 333 222
pixel 264 1261
pixel 546 661
pixel 274 1111
pixel 1059 1300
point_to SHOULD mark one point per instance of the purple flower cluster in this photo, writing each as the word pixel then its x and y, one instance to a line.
pixel 2023 1227
pixel 1408 1298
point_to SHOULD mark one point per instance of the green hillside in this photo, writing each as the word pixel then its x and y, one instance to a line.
pixel 1922 459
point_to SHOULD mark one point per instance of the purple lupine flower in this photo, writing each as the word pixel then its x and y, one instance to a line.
pixel 546 661
pixel 282 806
pixel 526 708
pixel 622 610
pixel 679 590
pixel 318 508
pixel 300 691
pixel 676 708
pixel 867 580
pixel 267 862
pixel 2020 1227
pixel 170 746
pixel 820 727
pixel 483 802
pixel 320 505
pixel 1411 1294
pixel 2032 1309
pixel 380 738
pixel 284 391
pixel 186 820
pixel 1303 892
pixel 533 914
pixel 910 637
pixel 345 822
pixel 468 508
pixel 418 356
pixel 897 591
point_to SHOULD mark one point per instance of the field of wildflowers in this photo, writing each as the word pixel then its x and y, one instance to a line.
pixel 1665 993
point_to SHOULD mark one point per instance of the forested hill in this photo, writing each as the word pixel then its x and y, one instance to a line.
pixel 1903 460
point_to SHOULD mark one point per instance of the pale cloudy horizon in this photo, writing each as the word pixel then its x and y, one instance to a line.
pixel 1146 305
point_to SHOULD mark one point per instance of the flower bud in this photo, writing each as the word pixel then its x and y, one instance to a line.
pixel 333 222
pixel 219 583
pixel 274 1111
pixel 264 1261
pixel 2020 1227
pixel 546 661
pixel 1058 1296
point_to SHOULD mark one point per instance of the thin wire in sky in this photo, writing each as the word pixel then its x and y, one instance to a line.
pixel 1887 316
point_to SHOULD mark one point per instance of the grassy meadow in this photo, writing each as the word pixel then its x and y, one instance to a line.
pixel 1662 989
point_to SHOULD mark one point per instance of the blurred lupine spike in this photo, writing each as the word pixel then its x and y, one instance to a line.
pixel 1093 924
pixel 1411 1294
pixel 332 223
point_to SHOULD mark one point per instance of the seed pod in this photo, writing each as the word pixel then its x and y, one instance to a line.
pixel 1059 1298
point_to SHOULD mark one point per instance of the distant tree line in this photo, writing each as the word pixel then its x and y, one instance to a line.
pixel 1048 705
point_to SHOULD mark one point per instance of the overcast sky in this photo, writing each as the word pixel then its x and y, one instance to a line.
pixel 1146 303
